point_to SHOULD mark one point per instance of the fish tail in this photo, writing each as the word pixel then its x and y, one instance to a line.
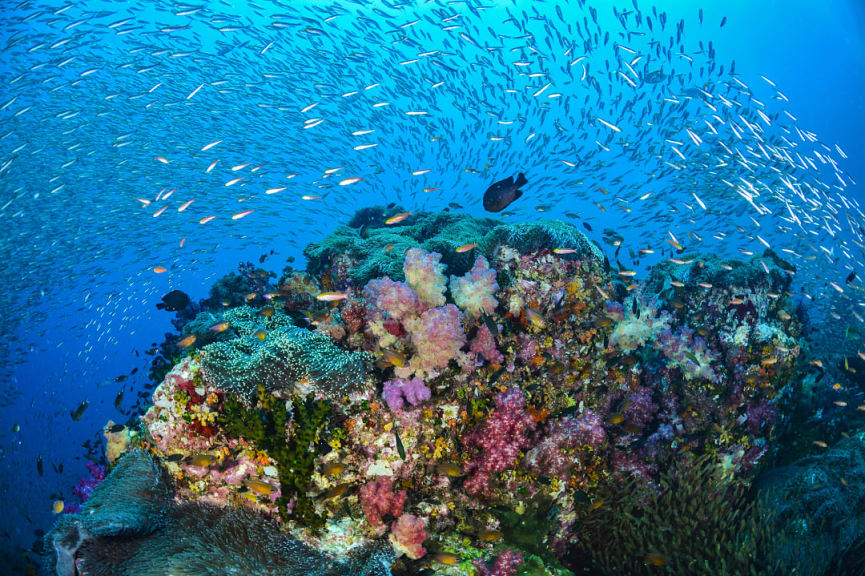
pixel 521 179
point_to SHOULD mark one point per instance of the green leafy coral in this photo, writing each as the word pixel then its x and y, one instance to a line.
pixel 266 426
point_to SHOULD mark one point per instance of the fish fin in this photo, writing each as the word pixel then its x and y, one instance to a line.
pixel 517 194
pixel 521 180
pixel 160 305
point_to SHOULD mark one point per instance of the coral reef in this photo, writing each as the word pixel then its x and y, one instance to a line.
pixel 481 425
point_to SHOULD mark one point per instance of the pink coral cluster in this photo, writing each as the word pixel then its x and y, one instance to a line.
pixel 437 337
pixel 397 299
pixel 379 500
pixel 424 272
pixel 397 392
pixel 496 446
pixel 407 535
pixel 639 408
pixel 475 292
pixel 506 564
pixel 484 344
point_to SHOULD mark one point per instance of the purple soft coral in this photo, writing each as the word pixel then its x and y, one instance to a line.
pixel 397 392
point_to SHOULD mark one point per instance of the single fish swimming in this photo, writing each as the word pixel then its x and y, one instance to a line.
pixel 500 195
pixel 174 301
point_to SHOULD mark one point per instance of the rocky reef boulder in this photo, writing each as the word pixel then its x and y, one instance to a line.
pixel 131 526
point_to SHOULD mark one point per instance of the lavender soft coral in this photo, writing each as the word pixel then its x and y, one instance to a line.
pixel 397 392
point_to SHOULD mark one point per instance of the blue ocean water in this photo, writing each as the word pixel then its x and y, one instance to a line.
pixel 108 106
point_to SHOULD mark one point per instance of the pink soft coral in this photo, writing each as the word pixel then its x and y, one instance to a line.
pixel 407 535
pixel 475 292
pixel 497 444
pixel 485 344
pixel 425 274
pixel 437 337
pixel 397 299
pixel 378 500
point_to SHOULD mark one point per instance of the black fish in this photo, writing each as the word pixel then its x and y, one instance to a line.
pixel 39 466
pixel 500 195
pixel 174 301
pixel 851 277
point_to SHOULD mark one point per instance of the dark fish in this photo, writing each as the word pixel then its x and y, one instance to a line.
pixel 174 457
pixel 723 21
pixel 79 412
pixel 399 447
pixel 40 468
pixel 587 227
pixel 174 301
pixel 851 277
pixel 117 428
pixel 500 195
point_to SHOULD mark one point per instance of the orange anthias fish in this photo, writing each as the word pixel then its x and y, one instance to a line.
pixel 466 248
pixel 397 219
pixel 187 342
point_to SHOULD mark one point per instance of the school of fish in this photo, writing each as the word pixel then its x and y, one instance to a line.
pixel 150 137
